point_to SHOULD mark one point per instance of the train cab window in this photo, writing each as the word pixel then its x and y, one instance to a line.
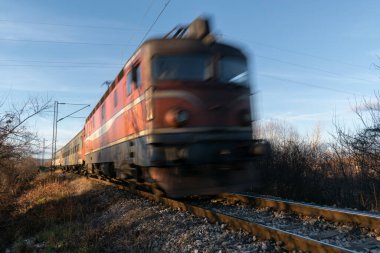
pixel 233 70
pixel 182 67
pixel 129 82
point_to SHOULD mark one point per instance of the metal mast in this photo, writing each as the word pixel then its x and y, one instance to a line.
pixel 54 138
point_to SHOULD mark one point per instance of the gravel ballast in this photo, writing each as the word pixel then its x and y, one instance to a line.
pixel 137 224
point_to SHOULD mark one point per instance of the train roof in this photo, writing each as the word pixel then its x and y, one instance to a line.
pixel 68 143
pixel 114 82
pixel 161 46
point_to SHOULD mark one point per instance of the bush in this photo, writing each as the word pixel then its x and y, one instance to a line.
pixel 305 169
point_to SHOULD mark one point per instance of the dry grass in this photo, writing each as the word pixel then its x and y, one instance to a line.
pixel 71 214
pixel 51 210
pixel 49 188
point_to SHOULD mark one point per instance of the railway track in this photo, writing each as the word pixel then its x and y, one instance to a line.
pixel 350 230
pixel 333 214
pixel 242 217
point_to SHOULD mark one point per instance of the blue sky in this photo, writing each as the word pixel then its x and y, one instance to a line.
pixel 310 60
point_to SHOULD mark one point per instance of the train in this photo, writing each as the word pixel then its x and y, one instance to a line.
pixel 178 116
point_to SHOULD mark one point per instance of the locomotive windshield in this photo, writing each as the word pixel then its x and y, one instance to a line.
pixel 192 67
pixel 199 67
pixel 233 70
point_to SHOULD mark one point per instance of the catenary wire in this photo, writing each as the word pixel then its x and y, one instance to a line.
pixel 69 42
pixel 55 66
pixel 313 68
pixel 132 36
pixel 70 25
pixel 309 85
pixel 292 51
pixel 154 22
pixel 60 62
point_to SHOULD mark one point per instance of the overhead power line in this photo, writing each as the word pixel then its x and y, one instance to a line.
pixel 70 25
pixel 308 84
pixel 314 68
pixel 69 42
pixel 56 66
pixel 146 11
pixel 132 36
pixel 292 51
pixel 60 62
pixel 309 55
pixel 154 22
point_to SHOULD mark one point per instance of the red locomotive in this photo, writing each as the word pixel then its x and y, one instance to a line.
pixel 177 115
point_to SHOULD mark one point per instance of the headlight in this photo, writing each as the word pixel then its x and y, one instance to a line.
pixel 177 117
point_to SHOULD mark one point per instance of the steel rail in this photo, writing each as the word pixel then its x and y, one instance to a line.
pixel 291 241
pixel 329 213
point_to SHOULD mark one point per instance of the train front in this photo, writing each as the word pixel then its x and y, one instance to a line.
pixel 199 114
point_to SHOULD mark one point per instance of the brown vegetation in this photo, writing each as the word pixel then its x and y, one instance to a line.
pixel 16 144
pixel 68 213
pixel 50 210
pixel 17 167
pixel 344 173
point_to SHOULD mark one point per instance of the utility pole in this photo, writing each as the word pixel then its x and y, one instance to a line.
pixel 55 125
pixel 54 138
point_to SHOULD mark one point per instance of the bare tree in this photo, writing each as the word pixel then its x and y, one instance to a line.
pixel 295 166
pixel 16 140
pixel 359 151
pixel 345 172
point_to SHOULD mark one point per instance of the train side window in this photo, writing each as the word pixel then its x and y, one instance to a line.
pixel 137 76
pixel 103 112
pixel 129 82
pixel 115 98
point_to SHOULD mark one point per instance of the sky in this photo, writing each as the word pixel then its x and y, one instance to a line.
pixel 310 61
